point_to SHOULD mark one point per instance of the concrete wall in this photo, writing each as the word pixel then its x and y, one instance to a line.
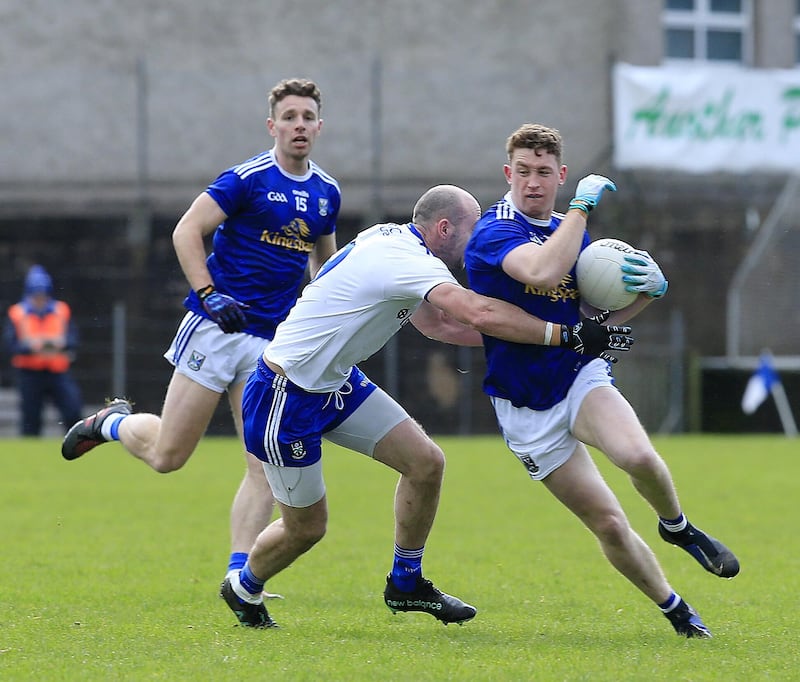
pixel 455 78
pixel 106 101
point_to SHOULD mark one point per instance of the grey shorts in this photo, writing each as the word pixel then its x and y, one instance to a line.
pixel 361 431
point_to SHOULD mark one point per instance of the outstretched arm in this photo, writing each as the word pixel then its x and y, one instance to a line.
pixel 485 315
pixel 436 324
pixel 464 313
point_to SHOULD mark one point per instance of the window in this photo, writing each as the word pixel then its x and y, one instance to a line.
pixel 709 30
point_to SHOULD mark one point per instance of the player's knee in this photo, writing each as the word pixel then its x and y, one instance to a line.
pixel 612 529
pixel 304 537
pixel 168 461
pixel 428 463
pixel 642 462
pixel 312 536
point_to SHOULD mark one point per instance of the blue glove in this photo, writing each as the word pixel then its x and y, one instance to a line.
pixel 225 310
pixel 589 191
pixel 643 276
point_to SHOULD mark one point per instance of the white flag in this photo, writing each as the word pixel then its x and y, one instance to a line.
pixel 760 385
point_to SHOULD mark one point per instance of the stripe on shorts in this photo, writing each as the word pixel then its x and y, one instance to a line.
pixel 184 334
pixel 271 443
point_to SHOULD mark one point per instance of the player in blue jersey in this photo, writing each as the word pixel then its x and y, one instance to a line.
pixel 549 401
pixel 307 386
pixel 272 218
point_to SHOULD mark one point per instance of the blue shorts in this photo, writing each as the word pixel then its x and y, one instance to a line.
pixel 284 424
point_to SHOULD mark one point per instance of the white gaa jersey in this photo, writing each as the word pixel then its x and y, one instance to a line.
pixel 359 299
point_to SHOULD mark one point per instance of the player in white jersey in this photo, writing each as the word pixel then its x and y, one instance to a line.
pixel 550 402
pixel 272 218
pixel 307 386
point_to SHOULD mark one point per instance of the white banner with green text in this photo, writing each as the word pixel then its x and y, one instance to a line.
pixel 706 119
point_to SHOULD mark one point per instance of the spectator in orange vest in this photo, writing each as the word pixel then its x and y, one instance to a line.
pixel 41 339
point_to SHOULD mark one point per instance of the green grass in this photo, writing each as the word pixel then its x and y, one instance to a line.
pixel 110 572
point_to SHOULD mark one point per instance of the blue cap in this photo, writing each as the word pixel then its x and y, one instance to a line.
pixel 38 281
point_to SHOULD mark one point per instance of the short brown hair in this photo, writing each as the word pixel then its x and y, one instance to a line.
pixel 537 137
pixel 302 87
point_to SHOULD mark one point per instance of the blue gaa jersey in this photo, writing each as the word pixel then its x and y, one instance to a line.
pixel 261 251
pixel 532 376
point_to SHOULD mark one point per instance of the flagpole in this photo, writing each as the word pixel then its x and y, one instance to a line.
pixel 784 410
pixel 763 383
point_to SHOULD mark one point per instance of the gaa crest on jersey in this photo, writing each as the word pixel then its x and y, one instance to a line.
pixel 195 361
pixel 298 449
pixel 323 206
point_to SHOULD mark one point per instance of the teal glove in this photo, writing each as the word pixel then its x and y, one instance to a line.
pixel 589 191
pixel 643 276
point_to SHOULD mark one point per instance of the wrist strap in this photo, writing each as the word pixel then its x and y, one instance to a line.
pixel 205 292
pixel 565 335
pixel 548 333
pixel 581 205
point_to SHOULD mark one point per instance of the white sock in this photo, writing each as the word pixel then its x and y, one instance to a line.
pixel 264 594
pixel 109 423
pixel 242 593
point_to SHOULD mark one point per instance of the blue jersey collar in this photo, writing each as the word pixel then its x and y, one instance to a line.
pixel 412 228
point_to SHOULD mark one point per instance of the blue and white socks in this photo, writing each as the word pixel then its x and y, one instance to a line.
pixel 246 585
pixel 671 603
pixel 407 568
pixel 109 429
pixel 675 525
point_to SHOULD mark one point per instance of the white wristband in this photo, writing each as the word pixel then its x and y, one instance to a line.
pixel 548 333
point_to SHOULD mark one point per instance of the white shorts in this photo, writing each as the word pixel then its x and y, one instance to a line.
pixel 361 431
pixel 542 439
pixel 204 353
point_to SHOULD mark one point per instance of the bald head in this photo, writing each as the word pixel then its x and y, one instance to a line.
pixel 444 201
pixel 445 216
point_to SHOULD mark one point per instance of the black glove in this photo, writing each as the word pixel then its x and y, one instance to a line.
pixel 225 310
pixel 591 337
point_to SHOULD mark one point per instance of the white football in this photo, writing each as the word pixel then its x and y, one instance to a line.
pixel 599 276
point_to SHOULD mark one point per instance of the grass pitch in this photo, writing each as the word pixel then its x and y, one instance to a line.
pixel 110 572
